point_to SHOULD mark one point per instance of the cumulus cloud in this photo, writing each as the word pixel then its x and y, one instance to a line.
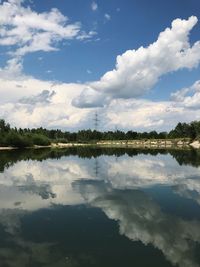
pixel 189 97
pixel 50 105
pixel 144 114
pixel 137 71
pixel 30 31
pixel 90 99
pixel 13 69
pixel 44 97
pixel 94 6
pixel 63 105
pixel 54 105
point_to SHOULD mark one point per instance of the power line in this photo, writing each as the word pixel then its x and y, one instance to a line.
pixel 96 121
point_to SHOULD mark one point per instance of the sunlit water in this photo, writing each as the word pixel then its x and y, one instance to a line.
pixel 100 207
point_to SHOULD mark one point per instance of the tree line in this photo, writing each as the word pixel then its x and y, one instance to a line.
pixel 40 136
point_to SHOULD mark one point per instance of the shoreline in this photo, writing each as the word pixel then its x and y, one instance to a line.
pixel 148 144
pixel 7 148
pixel 59 145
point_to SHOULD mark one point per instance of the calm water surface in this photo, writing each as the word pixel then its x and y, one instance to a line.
pixel 100 207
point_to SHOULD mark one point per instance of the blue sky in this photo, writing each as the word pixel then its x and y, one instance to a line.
pixel 43 60
pixel 132 24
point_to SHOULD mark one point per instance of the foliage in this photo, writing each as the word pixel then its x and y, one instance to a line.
pixel 191 130
pixel 43 137
pixel 17 140
pixel 40 140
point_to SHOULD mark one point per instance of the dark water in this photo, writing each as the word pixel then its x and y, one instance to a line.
pixel 100 207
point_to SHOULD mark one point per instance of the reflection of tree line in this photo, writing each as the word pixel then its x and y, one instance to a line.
pixel 7 158
pixel 187 157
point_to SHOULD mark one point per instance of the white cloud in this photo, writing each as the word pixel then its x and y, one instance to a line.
pixel 67 106
pixel 48 108
pixel 12 69
pixel 86 36
pixel 89 71
pixel 44 97
pixel 89 99
pixel 107 16
pixel 180 94
pixel 50 104
pixel 188 97
pixel 94 6
pixel 30 31
pixel 137 71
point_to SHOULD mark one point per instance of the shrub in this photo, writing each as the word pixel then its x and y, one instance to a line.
pixel 2 140
pixel 40 140
pixel 18 140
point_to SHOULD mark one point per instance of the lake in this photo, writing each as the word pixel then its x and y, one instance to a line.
pixel 102 207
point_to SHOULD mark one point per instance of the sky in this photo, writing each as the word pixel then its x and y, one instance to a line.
pixel 135 63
